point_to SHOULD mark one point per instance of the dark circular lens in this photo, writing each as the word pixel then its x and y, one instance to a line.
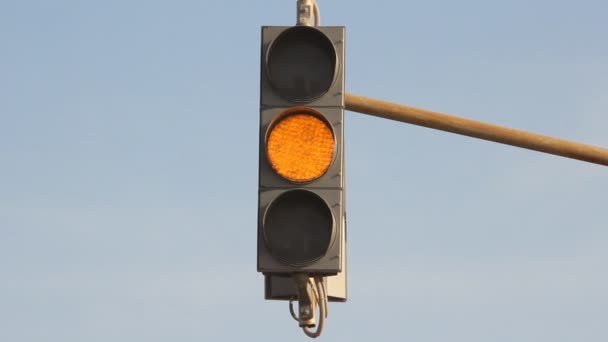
pixel 301 64
pixel 298 227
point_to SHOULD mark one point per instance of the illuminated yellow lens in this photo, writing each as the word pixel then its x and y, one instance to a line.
pixel 300 147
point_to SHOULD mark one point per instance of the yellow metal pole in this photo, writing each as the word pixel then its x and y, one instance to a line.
pixel 477 129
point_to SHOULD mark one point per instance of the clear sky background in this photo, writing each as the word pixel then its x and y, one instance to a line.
pixel 128 172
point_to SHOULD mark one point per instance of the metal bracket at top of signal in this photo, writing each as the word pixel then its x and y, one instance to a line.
pixel 308 13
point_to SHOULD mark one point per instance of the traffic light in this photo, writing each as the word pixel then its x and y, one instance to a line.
pixel 301 225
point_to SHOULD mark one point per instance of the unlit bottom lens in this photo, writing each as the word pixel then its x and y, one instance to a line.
pixel 298 227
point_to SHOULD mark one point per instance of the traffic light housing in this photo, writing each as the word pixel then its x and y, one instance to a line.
pixel 301 226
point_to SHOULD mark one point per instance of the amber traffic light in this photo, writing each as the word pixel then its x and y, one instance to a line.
pixel 300 146
pixel 301 166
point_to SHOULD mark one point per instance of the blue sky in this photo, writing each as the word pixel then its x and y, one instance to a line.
pixel 128 172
